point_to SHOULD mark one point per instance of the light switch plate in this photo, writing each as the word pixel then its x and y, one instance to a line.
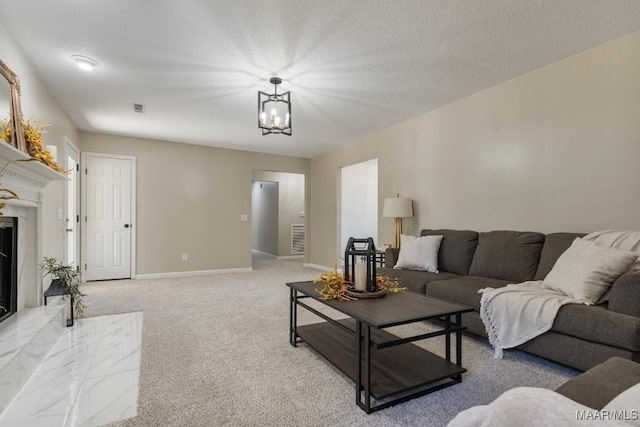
pixel 244 217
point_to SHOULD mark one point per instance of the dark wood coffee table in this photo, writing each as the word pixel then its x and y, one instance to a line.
pixel 384 367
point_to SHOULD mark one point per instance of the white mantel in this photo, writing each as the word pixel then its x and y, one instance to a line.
pixel 27 179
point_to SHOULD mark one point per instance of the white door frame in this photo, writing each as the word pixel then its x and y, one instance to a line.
pixel 83 209
pixel 71 146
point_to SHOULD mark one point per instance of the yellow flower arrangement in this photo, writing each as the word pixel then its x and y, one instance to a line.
pixel 33 136
pixel 335 287
pixel 5 134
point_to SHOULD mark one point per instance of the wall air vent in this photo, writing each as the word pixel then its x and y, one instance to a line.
pixel 139 108
pixel 297 239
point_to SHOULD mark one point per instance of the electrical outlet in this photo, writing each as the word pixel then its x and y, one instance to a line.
pixel 185 257
pixel 301 214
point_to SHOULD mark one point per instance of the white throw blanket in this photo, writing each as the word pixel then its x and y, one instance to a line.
pixel 522 312
pixel 535 407
pixel 518 313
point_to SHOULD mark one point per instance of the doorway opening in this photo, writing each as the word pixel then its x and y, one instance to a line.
pixel 358 203
pixel 278 219
pixel 264 217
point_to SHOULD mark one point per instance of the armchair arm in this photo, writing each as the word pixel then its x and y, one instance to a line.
pixel 391 257
pixel 625 295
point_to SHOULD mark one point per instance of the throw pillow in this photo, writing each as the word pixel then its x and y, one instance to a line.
pixel 419 253
pixel 585 271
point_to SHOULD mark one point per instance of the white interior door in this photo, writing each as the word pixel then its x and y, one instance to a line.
pixel 108 215
pixel 72 206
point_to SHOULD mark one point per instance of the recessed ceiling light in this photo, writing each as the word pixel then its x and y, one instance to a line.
pixel 84 62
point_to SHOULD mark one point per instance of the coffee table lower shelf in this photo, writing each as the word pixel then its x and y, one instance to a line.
pixel 405 368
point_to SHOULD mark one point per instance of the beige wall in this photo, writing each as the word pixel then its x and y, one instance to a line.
pixel 291 201
pixel 554 150
pixel 39 103
pixel 189 200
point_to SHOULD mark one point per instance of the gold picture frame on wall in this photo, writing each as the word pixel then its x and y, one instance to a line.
pixel 17 139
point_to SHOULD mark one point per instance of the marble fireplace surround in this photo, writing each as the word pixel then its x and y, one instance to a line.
pixel 26 336
pixel 27 179
pixel 87 375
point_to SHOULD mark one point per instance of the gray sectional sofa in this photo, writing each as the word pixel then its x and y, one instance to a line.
pixel 605 395
pixel 602 383
pixel 581 337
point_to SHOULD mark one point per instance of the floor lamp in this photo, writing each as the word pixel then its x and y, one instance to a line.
pixel 397 208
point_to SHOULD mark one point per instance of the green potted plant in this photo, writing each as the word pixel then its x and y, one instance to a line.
pixel 68 278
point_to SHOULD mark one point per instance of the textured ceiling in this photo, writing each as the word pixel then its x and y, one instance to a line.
pixel 353 67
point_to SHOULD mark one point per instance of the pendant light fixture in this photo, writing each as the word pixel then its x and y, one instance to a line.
pixel 274 110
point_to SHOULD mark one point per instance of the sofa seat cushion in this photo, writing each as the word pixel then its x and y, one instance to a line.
pixel 463 290
pixel 507 255
pixel 415 281
pixel 599 325
pixel 554 245
pixel 456 249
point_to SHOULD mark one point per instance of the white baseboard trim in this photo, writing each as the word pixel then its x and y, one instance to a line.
pixel 317 267
pixel 193 273
pixel 291 257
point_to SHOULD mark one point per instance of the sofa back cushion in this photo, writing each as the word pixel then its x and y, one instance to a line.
pixel 507 255
pixel 554 245
pixel 456 249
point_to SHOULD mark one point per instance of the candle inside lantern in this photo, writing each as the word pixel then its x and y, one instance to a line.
pixel 361 276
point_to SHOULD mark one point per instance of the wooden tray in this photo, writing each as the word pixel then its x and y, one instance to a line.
pixel 364 295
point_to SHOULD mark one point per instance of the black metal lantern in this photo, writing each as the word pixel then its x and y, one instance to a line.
pixel 274 111
pixel 365 251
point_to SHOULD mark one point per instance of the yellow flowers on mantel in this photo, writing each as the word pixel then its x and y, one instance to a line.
pixel 33 136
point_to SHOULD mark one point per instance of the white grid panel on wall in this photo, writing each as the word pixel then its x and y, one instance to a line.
pixel 297 239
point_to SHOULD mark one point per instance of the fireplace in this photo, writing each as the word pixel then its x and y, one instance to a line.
pixel 24 238
pixel 8 267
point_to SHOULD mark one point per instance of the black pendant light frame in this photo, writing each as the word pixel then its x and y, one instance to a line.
pixel 266 99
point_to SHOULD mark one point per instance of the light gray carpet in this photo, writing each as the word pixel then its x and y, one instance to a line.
pixel 215 352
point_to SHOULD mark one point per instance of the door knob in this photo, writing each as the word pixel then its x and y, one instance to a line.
pixel 69 229
pixel 127 225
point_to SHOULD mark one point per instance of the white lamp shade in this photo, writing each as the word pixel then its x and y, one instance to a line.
pixel 397 207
